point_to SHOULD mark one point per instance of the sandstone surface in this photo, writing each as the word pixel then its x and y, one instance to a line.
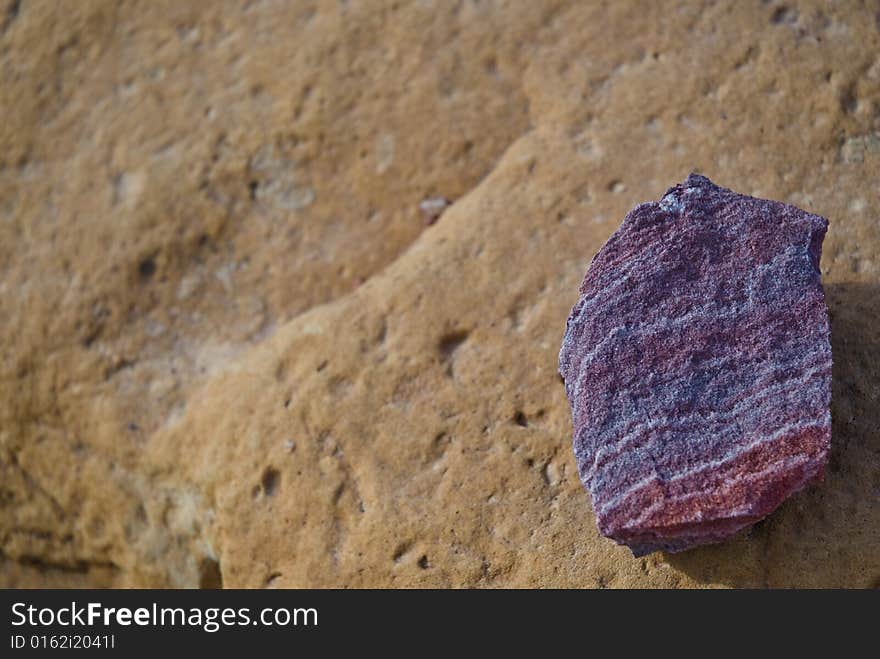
pixel 234 353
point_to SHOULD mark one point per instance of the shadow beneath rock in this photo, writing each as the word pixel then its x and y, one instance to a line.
pixel 828 535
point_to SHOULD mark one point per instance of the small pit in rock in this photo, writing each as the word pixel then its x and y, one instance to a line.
pixel 270 481
pixel 210 576
pixel 147 268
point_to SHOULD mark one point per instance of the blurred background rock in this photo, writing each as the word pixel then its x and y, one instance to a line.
pixel 234 352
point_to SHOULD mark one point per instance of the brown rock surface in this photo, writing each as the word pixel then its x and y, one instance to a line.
pixel 232 349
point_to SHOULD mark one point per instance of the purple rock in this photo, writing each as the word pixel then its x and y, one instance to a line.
pixel 697 362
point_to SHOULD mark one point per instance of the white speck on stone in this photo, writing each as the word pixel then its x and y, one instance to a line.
pixel 672 204
pixel 188 285
pixel 128 187
pixel 384 152
pixel 184 514
pixel 290 445
pixel 857 205
pixel 296 197
pixel 279 185
pixel 270 160
pixel 192 35
pixel 433 208
pixel 154 329
pixel 551 474
pixel 855 149
pixel 224 274
pixel 161 386
pixel 286 193
pixel 210 359
pixel 253 316
pixel 588 148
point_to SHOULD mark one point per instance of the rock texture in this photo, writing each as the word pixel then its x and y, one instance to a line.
pixel 698 366
pixel 232 351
